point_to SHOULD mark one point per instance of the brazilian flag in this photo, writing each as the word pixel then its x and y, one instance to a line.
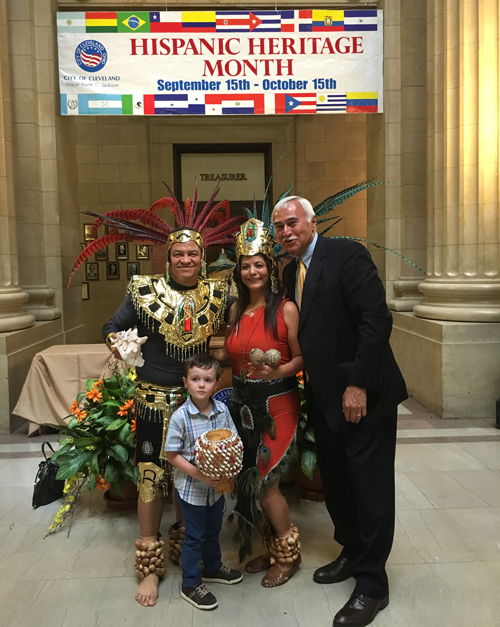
pixel 133 22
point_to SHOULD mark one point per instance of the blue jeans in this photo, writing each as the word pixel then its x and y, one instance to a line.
pixel 201 541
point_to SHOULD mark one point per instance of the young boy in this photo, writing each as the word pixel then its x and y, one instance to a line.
pixel 202 507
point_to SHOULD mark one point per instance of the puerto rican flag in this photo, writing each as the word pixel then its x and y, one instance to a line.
pixel 266 21
pixel 234 104
pixel 295 103
pixel 296 21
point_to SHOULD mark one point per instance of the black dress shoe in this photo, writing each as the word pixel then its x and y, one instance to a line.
pixel 339 570
pixel 359 611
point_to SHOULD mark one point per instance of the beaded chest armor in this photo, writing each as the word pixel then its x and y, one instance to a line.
pixel 185 318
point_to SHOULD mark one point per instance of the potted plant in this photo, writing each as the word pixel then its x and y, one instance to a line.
pixel 308 477
pixel 99 443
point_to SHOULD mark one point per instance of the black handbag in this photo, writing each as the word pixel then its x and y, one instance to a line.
pixel 47 488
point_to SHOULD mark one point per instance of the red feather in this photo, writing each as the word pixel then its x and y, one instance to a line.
pixel 187 209
pixel 144 215
pixel 195 202
pixel 227 228
pixel 94 246
pixel 218 217
pixel 161 204
pixel 223 204
pixel 222 242
pixel 176 208
pixel 199 220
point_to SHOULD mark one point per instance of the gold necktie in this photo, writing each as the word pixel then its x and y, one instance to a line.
pixel 300 281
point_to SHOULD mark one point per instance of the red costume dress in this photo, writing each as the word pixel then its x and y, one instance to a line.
pixel 266 414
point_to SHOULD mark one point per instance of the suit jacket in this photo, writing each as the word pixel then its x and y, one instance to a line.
pixel 344 331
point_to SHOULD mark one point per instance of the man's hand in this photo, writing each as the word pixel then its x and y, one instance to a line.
pixel 354 403
pixel 114 351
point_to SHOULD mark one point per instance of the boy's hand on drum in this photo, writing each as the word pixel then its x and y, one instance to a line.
pixel 213 482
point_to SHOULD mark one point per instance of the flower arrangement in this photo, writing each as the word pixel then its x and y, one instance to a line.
pixel 306 442
pixel 99 446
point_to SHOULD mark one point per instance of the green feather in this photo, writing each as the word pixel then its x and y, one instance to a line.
pixel 337 199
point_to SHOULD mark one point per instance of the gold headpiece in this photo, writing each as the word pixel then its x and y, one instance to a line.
pixel 253 238
pixel 186 235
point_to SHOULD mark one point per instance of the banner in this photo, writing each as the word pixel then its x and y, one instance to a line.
pixel 220 62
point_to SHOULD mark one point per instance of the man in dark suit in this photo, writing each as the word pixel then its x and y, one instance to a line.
pixel 353 387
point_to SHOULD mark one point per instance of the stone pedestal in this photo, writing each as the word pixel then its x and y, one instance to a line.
pixel 453 368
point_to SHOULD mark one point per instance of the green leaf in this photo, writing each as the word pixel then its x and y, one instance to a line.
pixel 308 463
pixel 72 423
pixel 105 421
pixel 94 464
pixel 123 435
pixel 89 384
pixel 121 451
pixel 116 424
pixel 64 449
pixel 309 435
pixel 111 475
pixel 84 442
pixel 75 463
pixel 80 396
pixel 112 403
pixel 92 482
pixel 130 441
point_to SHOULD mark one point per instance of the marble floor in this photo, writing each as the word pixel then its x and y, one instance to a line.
pixel 444 569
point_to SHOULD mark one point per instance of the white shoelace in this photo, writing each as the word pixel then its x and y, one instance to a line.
pixel 202 590
pixel 225 569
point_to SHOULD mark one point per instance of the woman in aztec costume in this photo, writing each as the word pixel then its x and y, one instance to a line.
pixel 178 312
pixel 266 402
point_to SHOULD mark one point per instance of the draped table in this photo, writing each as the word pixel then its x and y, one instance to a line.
pixel 56 375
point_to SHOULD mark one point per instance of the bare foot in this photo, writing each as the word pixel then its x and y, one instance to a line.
pixel 147 592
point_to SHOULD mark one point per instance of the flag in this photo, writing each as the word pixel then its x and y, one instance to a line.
pixel 331 102
pixel 295 103
pixel 101 22
pixel 232 21
pixel 198 22
pixel 105 104
pixel 174 104
pixel 133 22
pixel 234 104
pixel 327 21
pixel 266 21
pixel 69 104
pixel 71 22
pixel 305 21
pixel 360 20
pixel 362 102
pixel 165 21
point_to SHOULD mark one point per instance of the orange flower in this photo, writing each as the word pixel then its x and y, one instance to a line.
pixel 123 411
pixel 300 377
pixel 81 416
pixel 74 408
pixel 94 395
pixel 133 426
pixel 101 483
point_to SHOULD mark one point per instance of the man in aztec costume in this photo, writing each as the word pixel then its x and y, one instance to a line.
pixel 178 312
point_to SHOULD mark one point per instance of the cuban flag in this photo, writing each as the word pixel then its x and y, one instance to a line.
pixel 331 102
pixel 234 104
pixel 266 21
pixel 360 20
pixel 174 104
pixel 295 103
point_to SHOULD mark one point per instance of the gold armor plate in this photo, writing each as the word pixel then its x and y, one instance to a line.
pixel 186 318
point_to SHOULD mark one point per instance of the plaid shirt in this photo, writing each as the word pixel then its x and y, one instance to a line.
pixel 186 425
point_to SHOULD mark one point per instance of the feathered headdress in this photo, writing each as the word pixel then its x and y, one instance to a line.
pixel 144 226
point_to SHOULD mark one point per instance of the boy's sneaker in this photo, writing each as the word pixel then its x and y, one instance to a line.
pixel 223 575
pixel 199 596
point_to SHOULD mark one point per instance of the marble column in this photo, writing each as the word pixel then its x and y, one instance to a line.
pixel 463 282
pixel 12 316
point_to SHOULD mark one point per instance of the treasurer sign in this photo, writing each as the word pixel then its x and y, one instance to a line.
pixel 220 62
